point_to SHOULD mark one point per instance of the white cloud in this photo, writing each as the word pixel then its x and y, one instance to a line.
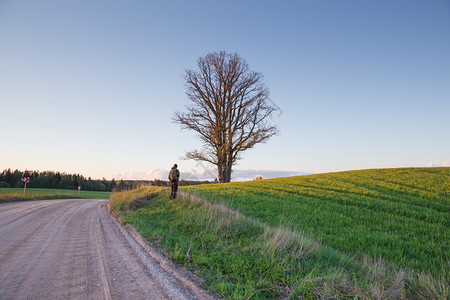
pixel 193 174
pixel 445 163
pixel 162 174
pixel 206 174
pixel 150 175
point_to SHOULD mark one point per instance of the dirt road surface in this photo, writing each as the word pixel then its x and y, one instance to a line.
pixel 74 249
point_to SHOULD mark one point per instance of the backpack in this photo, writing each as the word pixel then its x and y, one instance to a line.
pixel 173 175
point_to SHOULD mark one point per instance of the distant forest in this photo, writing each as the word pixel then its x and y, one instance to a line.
pixel 54 180
pixel 61 180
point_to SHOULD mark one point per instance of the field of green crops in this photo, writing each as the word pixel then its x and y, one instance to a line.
pixel 16 194
pixel 400 215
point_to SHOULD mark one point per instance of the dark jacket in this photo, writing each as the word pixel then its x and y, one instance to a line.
pixel 174 175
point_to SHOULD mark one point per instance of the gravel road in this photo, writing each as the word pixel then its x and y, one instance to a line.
pixel 74 249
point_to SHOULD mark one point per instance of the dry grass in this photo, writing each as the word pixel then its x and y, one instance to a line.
pixel 429 287
pixel 280 239
pixel 126 200
pixel 284 240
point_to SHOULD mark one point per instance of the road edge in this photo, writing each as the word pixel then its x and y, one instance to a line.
pixel 185 282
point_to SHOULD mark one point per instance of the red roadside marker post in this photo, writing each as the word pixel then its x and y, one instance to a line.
pixel 25 179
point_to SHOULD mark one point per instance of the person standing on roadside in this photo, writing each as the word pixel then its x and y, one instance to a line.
pixel 174 176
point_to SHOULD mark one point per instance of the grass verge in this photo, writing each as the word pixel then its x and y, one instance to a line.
pixel 241 257
pixel 123 202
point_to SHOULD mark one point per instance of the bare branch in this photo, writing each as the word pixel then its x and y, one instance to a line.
pixel 229 109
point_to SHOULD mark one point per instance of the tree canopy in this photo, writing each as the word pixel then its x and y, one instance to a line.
pixel 229 109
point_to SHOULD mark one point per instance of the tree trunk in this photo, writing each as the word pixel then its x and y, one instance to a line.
pixel 220 172
pixel 228 173
pixel 224 169
pixel 229 165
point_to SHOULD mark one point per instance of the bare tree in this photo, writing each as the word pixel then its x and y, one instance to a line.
pixel 229 107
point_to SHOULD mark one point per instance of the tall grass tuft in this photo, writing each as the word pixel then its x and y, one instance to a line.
pixel 126 200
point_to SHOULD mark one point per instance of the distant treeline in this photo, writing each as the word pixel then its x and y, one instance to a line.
pixel 127 185
pixel 158 182
pixel 54 180
pixel 61 180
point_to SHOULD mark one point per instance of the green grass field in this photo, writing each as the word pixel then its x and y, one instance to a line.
pixel 16 194
pixel 402 215
pixel 373 234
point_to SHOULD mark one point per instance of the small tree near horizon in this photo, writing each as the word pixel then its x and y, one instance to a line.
pixel 229 109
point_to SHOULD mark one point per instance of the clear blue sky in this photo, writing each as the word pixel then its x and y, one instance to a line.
pixel 90 87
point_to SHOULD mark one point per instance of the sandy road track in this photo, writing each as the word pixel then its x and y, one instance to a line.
pixel 73 249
